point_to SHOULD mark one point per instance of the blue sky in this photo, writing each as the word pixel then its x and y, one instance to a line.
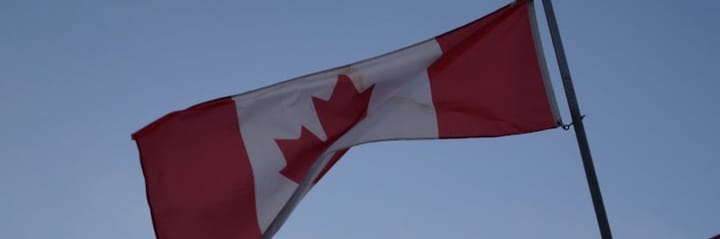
pixel 78 77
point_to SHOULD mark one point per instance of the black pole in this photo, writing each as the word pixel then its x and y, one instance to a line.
pixel 577 122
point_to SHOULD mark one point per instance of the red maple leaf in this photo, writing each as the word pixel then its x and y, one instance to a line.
pixel 345 108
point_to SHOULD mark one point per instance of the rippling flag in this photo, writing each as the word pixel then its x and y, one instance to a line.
pixel 228 168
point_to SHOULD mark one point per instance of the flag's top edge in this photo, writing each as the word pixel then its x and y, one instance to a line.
pixel 209 103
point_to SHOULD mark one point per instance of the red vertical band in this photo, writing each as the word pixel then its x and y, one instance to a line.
pixel 488 81
pixel 198 176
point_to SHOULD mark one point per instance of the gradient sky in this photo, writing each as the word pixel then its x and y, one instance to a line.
pixel 78 77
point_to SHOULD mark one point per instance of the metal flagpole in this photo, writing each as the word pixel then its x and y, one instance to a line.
pixel 577 122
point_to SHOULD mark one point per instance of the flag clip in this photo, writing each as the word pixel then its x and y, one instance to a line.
pixel 566 127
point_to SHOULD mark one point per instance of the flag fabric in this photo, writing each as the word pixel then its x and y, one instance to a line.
pixel 227 167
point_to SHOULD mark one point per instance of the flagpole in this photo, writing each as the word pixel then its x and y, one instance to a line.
pixel 577 123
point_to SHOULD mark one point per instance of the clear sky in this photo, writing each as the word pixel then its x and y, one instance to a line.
pixel 78 77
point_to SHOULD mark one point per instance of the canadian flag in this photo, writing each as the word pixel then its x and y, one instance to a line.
pixel 228 168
